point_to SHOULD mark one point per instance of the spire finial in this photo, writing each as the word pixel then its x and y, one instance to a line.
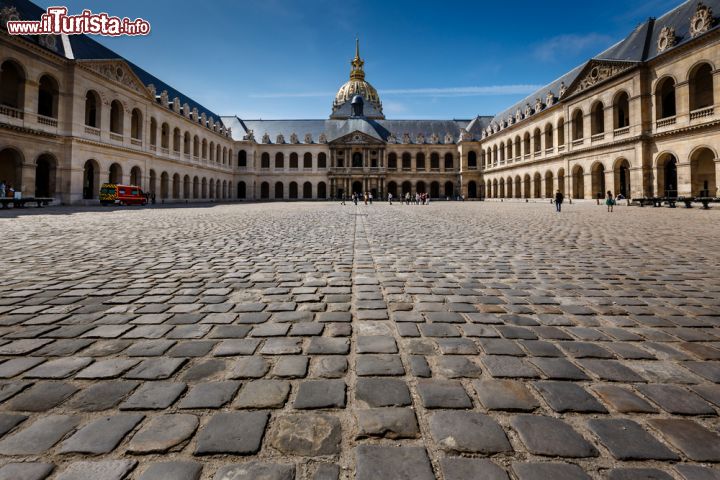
pixel 357 47
pixel 357 63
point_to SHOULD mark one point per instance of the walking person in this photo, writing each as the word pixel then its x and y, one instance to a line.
pixel 370 197
pixel 559 197
pixel 609 201
pixel 342 199
pixel 2 188
pixel 366 198
pixel 390 198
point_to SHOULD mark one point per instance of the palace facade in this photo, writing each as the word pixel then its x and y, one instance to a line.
pixel 639 119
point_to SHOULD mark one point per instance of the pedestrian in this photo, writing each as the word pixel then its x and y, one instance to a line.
pixel 2 188
pixel 366 198
pixel 355 198
pixel 609 201
pixel 152 197
pixel 407 198
pixel 559 197
pixel 342 199
pixel 390 198
pixel 370 197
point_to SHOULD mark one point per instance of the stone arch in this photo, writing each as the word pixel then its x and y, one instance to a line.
pixel 597 180
pixel 136 176
pixel 435 189
pixel 561 180
pixel 578 182
pixel 294 161
pixel 666 174
pixel 392 161
pixel 293 190
pixel 406 161
pixel 204 188
pixel 472 189
pixel 665 102
pixel 117 117
pixel 115 174
pixel 549 193
pixel 621 110
pixel 322 161
pixel 449 186
pixel 176 186
pixel 392 188
pixel 48 96
pixel 621 175
pixel 45 175
pixel 265 190
pixel 279 190
pixel 700 80
pixel 196 187
pixel 703 180
pixel 164 185
pixel 242 159
pixel 406 187
pixel 91 179
pixel 279 161
pixel 578 127
pixel 420 187
pixel 449 161
pixel 307 161
pixel 597 118
pixel 93 106
pixel 136 124
pixel 186 187
pixel 472 159
pixel 322 190
pixel 307 190
pixel 12 84
pixel 517 188
pixel 527 185
pixel 537 185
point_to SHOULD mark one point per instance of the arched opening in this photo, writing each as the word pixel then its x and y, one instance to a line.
pixel 187 142
pixel 203 149
pixel 164 185
pixel 406 161
pixel 549 193
pixel 434 161
pixel 293 161
pixel 307 161
pixel 204 188
pixel 165 136
pixel 265 160
pixel 12 85
pixel 115 174
pixel 186 187
pixel 502 188
pixel 449 190
pixel 518 148
pixel 509 188
pixel 561 180
pixel 196 187
pixel 177 140
pixel 91 180
pixel 578 182
pixel 45 175
pixel 176 186
pixel 48 95
pixel 472 190
pixel 536 141
pixel 577 125
pixel 241 190
pixel 518 187
pixel 597 119
pixel 435 189
pixel 501 152
pixel 196 146
pixel 357 187
pixel 537 185
pixel 136 176
pixel 597 179
pixel 526 143
pixel 420 162
pixel 307 190
pixel 472 160
pixel 667 175
pixel 293 190
pixel 665 98
pixel 92 109
pixel 242 159
pixel 117 115
pixel 548 136
pixel 357 160
pixel 392 188
pixel 622 177
pixel 136 126
pixel 702 173
pixel 406 188
pixel 449 161
pixel 211 188
pixel 526 186
pixel 225 157
pixel 621 110
pixel 224 189
pixel 495 191
pixel 265 190
pixel 279 190
pixel 279 161
pixel 420 187
pixel 392 161
pixel 322 160
pixel 561 131
pixel 152 186
pixel 701 87
pixel 322 190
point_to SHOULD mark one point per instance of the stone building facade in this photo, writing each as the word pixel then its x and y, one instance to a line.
pixel 638 119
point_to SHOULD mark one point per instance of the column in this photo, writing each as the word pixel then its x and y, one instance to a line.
pixel 587 185
pixel 682 104
pixel 684 185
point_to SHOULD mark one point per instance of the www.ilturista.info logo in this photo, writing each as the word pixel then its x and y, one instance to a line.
pixel 57 22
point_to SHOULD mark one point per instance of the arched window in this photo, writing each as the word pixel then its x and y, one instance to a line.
pixel 135 176
pixel 279 193
pixel 92 109
pixel 701 87
pixel 577 124
pixel 307 190
pixel 241 190
pixel 165 136
pixel 115 174
pixel 548 136
pixel 472 160
pixel 434 161
pixel 265 160
pixel 293 190
pixel 242 159
pixel 449 161
pixel 196 146
pixel 279 161
pixel 224 156
pixel 176 186
pixel 136 125
pixel 518 143
pixel 12 85
pixel 665 98
pixel 537 144
pixel 204 149
pixel 307 161
pixel 322 190
pixel 420 161
pixel 322 161
pixel 561 131
pixel 264 190
pixel 526 143
pixel 186 186
pixel 406 161
pixel 392 161
pixel 186 143
pixel 48 94
pixel 116 117
pixel 177 139
pixel 293 161
pixel 621 111
pixel 501 152
pixel 597 119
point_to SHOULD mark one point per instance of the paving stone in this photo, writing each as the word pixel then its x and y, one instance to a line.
pixel 551 437
pixel 387 422
pixel 204 370
pixel 237 433
pixel 456 367
pixel 175 470
pixel 568 397
pixel 559 369
pixel 548 471
pixel 330 367
pixel 676 400
pixel 263 394
pixel 256 471
pixel 468 432
pixel 294 366
pixel 320 394
pixel 59 368
pixel 503 366
pixel 101 435
pixel 691 438
pixel 443 394
pixel 327 471
pixel 458 468
pixel 163 432
pixel 382 392
pixel 16 366
pixel 8 421
pixel 375 344
pixel 102 395
pixel 41 397
pixel 507 395
pixel 306 434
pixel 328 346
pixel 379 365
pixel 105 470
pixel 155 368
pixel 26 471
pixel 694 472
pixel 250 367
pixel 35 439
pixel 638 474
pixel 623 400
pixel 154 396
pixel 111 368
pixel 626 440
pixel 399 463
pixel 246 346
pixel 419 366
pixel 610 370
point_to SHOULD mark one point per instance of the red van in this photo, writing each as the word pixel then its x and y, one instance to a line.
pixel 111 194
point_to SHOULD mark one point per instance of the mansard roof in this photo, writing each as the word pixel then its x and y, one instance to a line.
pixel 83 47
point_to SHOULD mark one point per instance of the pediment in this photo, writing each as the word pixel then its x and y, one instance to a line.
pixel 118 72
pixel 595 73
pixel 357 138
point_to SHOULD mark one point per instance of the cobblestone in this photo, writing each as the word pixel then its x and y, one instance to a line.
pixel 314 341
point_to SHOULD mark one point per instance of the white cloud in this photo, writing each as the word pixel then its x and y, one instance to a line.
pixel 521 89
pixel 563 46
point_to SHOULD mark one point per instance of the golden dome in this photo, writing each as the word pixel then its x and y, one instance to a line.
pixel 357 85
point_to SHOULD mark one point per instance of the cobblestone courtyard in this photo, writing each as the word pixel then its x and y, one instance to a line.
pixel 454 341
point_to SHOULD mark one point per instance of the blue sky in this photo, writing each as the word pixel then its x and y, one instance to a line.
pixel 287 58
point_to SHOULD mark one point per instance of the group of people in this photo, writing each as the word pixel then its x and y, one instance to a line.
pixel 6 190
pixel 417 199
pixel 610 201
pixel 359 197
